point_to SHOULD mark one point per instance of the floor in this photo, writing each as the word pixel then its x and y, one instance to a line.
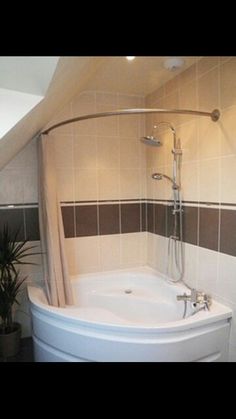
pixel 26 352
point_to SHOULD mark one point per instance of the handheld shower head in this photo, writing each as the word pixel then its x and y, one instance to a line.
pixel 160 176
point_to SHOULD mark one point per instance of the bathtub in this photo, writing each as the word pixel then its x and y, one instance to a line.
pixel 127 316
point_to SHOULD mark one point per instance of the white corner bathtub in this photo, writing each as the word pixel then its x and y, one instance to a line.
pixel 127 316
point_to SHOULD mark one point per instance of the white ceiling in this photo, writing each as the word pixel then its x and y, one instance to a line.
pixel 141 76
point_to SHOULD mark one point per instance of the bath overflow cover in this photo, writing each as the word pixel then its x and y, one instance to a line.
pixel 128 291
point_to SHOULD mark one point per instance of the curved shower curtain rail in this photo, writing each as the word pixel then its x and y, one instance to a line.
pixel 214 115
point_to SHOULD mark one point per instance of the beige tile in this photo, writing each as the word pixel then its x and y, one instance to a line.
pixel 66 184
pixel 208 91
pixel 209 138
pixel 108 184
pixel 130 184
pixel 63 114
pixel 209 180
pixel 228 83
pixel 187 134
pixel 206 64
pixel 143 184
pixel 207 270
pixel 110 251
pixel 30 185
pixel 70 255
pixel 130 153
pixel 63 147
pixel 11 190
pixel 171 85
pixel 128 101
pixel 191 260
pixel 107 99
pixel 87 127
pixel 107 126
pixel 129 126
pixel 108 152
pixel 190 181
pixel 226 58
pixel 188 101
pixel 86 186
pixel 170 102
pixel 227 126
pixel 160 246
pixel 85 152
pixel 228 176
pixel 87 255
pixel 131 250
pixel 150 183
pixel 154 96
pixel 188 75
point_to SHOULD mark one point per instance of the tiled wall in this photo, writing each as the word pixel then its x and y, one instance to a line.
pixel 101 167
pixel 19 208
pixel 208 178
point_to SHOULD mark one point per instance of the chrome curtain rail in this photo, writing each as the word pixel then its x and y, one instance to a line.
pixel 214 115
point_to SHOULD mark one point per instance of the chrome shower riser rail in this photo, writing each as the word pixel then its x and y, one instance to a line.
pixel 214 115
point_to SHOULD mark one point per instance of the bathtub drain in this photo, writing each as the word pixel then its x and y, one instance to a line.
pixel 128 291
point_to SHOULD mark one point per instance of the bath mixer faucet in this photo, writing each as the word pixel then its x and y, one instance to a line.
pixel 196 298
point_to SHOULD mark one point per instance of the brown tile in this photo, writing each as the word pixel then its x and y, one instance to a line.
pixel 160 219
pixel 109 219
pixel 32 223
pixel 170 222
pixel 190 224
pixel 68 217
pixel 228 232
pixel 144 216
pixel 130 218
pixel 15 219
pixel 150 218
pixel 86 220
pixel 208 228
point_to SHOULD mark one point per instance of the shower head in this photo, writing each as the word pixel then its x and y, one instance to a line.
pixel 150 140
pixel 160 176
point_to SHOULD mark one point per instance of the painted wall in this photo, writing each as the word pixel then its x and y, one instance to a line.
pixel 208 178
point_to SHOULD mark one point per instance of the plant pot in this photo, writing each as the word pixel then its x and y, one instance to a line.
pixel 10 342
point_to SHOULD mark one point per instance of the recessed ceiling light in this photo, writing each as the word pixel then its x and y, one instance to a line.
pixel 130 58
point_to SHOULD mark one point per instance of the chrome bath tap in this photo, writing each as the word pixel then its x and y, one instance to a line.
pixel 199 300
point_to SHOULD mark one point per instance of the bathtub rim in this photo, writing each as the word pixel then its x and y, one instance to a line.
pixel 221 312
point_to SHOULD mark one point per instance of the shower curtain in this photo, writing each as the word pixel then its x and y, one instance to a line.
pixel 56 274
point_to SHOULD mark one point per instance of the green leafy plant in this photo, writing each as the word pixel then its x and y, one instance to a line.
pixel 12 253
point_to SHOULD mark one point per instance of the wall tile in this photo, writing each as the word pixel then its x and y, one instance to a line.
pixel 110 252
pixel 32 223
pixel 86 220
pixel 208 91
pixel 14 218
pixel 208 228
pixel 228 83
pixel 228 232
pixel 130 218
pixel 190 224
pixel 68 216
pixel 160 224
pixel 109 219
pixel 206 64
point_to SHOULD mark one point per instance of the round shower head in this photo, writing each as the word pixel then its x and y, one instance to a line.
pixel 157 176
pixel 152 141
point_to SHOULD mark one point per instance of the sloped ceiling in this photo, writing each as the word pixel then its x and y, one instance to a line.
pixel 70 77
pixel 75 74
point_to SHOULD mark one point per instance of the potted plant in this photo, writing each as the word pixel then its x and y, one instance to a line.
pixel 12 254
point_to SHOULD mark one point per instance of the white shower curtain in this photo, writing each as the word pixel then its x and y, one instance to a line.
pixel 56 272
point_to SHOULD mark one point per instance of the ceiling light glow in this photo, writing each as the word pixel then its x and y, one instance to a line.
pixel 130 58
